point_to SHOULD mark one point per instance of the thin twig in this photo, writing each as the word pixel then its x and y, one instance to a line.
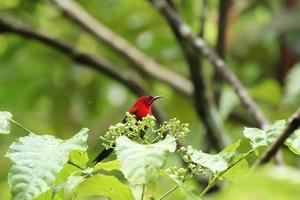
pixel 75 165
pixel 200 45
pixel 175 187
pixel 224 6
pixel 143 192
pixel 21 126
pixel 169 192
pixel 141 61
pixel 293 124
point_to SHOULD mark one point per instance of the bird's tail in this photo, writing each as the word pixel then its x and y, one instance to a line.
pixel 102 155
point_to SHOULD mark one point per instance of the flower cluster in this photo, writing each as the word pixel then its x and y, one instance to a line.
pixel 175 128
pixel 144 131
pixel 178 173
pixel 186 156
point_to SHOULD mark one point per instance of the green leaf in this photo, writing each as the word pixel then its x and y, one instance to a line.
pixel 293 143
pixel 37 160
pixel 141 163
pixel 5 122
pixel 265 137
pixel 215 163
pixel 80 158
pixel 108 166
pixel 236 171
pixel 103 185
pixel 61 178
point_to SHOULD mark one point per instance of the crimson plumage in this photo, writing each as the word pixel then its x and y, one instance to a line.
pixel 141 108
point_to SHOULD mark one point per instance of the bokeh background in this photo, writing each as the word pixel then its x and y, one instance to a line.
pixel 51 94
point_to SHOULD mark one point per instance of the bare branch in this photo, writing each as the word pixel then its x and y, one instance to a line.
pixel 99 64
pixel 203 98
pixel 293 124
pixel 141 62
pixel 224 6
pixel 202 48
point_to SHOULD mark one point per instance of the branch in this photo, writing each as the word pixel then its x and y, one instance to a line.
pixel 224 6
pixel 202 48
pixel 208 92
pixel 293 124
pixel 141 62
pixel 203 98
pixel 99 64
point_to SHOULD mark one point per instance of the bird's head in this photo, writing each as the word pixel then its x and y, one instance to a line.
pixel 142 106
pixel 148 100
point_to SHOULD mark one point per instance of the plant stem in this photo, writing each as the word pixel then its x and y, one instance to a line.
pixel 75 165
pixel 214 180
pixel 142 197
pixel 169 192
pixel 21 126
pixel 175 187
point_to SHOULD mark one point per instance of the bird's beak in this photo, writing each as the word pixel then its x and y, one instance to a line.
pixel 157 97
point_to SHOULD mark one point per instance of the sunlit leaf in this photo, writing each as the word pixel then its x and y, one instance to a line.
pixel 37 160
pixel 102 185
pixel 217 162
pixel 141 163
pixel 5 122
pixel 79 158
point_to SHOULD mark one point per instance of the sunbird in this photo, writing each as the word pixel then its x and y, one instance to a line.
pixel 141 108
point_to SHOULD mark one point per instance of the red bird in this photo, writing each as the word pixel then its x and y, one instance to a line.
pixel 141 108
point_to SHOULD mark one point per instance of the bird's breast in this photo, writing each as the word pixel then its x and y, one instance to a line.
pixel 143 112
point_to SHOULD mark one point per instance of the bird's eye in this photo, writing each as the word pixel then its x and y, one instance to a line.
pixel 149 97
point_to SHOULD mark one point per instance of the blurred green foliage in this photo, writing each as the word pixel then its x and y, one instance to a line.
pixel 52 95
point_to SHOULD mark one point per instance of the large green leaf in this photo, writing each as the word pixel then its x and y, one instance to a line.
pixel 215 163
pixel 4 122
pixel 265 137
pixel 141 163
pixel 102 185
pixel 37 160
